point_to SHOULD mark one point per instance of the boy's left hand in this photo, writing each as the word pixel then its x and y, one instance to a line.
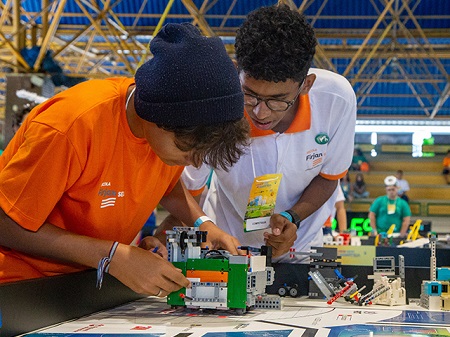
pixel 153 244
pixel 219 239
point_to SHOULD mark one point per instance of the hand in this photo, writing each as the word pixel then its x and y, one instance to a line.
pixel 283 236
pixel 145 272
pixel 167 224
pixel 155 245
pixel 219 239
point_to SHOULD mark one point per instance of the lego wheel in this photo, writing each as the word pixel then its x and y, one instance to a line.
pixel 182 243
pixel 293 292
pixel 240 311
pixel 282 291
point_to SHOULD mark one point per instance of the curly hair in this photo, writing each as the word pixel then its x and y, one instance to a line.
pixel 275 44
pixel 215 145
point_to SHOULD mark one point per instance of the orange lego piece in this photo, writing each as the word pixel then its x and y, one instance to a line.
pixel 208 275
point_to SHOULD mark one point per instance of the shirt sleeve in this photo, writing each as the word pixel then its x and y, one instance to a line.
pixel 342 108
pixel 37 175
pixel 406 209
pixel 375 205
pixel 195 179
pixel 340 196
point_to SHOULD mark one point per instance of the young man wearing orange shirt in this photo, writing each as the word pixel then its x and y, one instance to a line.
pixel 88 166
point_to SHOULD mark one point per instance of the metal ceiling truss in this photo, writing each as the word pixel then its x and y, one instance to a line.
pixel 390 51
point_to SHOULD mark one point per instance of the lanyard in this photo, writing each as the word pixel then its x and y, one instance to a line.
pixel 128 98
pixel 281 161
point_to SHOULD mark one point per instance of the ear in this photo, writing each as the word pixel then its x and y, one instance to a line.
pixel 307 84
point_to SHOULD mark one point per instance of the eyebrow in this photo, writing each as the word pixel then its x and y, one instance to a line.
pixel 251 92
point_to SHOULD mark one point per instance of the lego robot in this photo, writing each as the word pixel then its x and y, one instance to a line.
pixel 219 280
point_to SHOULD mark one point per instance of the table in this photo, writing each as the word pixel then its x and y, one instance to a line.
pixel 298 317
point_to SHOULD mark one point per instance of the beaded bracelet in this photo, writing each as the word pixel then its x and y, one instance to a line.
pixel 103 265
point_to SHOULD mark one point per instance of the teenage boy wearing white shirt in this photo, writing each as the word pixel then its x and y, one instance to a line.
pixel 302 128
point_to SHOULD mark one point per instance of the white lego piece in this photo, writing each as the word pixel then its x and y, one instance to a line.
pixel 257 263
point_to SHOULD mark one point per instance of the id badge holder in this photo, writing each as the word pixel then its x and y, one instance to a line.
pixel 261 202
pixel 391 209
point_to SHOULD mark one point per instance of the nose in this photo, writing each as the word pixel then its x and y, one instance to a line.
pixel 262 111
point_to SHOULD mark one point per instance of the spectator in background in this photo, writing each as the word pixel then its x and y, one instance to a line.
pixel 360 187
pixel 50 66
pixel 347 187
pixel 359 161
pixel 446 167
pixel 389 209
pixel 402 186
pixel 339 213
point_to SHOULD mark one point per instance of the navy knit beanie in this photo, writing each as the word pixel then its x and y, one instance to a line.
pixel 190 80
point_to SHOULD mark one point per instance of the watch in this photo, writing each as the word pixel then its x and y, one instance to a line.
pixel 295 218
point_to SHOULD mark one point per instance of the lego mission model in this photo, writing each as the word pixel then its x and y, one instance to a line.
pixel 435 293
pixel 219 280
pixel 327 281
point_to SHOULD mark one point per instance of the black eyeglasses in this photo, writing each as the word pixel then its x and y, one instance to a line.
pixel 272 104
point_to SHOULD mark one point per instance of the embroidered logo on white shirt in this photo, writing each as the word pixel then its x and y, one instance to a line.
pixel 322 138
pixel 313 159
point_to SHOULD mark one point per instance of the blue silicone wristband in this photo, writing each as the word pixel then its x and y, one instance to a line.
pixel 287 216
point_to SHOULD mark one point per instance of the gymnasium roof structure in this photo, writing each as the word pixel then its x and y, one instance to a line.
pixel 395 53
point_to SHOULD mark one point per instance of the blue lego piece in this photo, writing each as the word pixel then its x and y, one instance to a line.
pixel 433 288
pixel 443 274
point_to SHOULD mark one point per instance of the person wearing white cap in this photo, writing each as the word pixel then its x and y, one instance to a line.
pixel 403 186
pixel 390 209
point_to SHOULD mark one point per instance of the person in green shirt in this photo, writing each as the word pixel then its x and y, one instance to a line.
pixel 357 161
pixel 390 209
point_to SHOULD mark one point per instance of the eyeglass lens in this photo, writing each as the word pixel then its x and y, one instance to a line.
pixel 272 104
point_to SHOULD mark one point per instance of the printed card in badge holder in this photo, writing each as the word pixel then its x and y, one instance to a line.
pixel 261 202
pixel 391 208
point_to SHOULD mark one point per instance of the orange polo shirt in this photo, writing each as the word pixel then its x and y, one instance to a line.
pixel 76 164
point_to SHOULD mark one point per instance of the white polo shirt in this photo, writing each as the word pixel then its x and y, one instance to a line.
pixel 319 141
